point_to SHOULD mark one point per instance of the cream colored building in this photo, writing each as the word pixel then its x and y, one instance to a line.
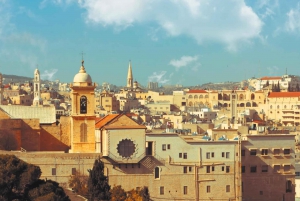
pixel 283 108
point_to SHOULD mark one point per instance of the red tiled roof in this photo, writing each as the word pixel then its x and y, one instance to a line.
pixel 197 91
pixel 102 122
pixel 271 78
pixel 283 94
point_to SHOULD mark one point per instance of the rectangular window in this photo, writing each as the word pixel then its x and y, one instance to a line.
pixel 180 155
pixel 243 169
pixel 207 155
pixel 227 154
pixel 164 147
pixel 184 155
pixel 169 146
pixel 162 190
pixel 53 171
pixel 185 190
pixel 287 168
pixel 276 152
pixel 184 169
pixel 208 169
pixel 264 168
pixel 227 188
pixel 207 189
pixel 212 168
pixel 223 168
pixel 253 168
pixel 190 169
pixel 73 171
pixel 264 152
pixel 286 151
pixel 253 152
pixel 227 169
pixel 223 154
pixel 212 154
pixel 276 168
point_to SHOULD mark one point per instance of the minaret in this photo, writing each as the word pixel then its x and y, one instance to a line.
pixel 1 89
pixel 37 89
pixel 129 77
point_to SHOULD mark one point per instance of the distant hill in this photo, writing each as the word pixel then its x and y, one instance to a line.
pixel 15 78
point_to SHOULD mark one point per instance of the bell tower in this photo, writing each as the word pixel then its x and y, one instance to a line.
pixel 83 115
pixel 37 101
pixel 129 77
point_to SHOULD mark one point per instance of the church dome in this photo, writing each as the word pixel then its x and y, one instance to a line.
pixel 82 76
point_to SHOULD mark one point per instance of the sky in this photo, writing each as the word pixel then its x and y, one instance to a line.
pixel 187 42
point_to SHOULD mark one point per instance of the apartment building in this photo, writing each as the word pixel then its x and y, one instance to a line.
pixel 268 167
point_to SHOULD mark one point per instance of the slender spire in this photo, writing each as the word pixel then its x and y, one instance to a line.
pixel 129 76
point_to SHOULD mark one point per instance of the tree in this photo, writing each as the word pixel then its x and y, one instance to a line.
pixel 15 175
pixel 145 194
pixel 118 193
pixel 78 183
pixel 20 181
pixel 47 190
pixel 98 187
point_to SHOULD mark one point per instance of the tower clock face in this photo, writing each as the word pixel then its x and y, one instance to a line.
pixel 83 105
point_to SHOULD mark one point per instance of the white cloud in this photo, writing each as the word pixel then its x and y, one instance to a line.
pixel 159 77
pixel 183 61
pixel 27 39
pixel 293 20
pixel 228 22
pixel 48 74
pixel 273 71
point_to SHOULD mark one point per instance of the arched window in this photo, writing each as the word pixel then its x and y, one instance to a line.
pixel 83 105
pixel 241 96
pixel 252 96
pixel 156 173
pixel 201 96
pixel 242 105
pixel 83 132
pixel 195 96
pixel 220 97
pixel 271 106
pixel 190 103
pixel 248 104
pixel 206 96
pixel 284 106
pixel 278 107
pixel 225 105
pixel 190 96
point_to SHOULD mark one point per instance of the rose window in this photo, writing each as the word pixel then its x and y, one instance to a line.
pixel 126 148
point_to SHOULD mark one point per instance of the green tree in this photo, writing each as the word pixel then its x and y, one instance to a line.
pixel 118 193
pixel 48 190
pixel 98 187
pixel 20 181
pixel 15 175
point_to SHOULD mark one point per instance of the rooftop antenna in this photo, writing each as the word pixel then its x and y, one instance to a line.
pixel 82 61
